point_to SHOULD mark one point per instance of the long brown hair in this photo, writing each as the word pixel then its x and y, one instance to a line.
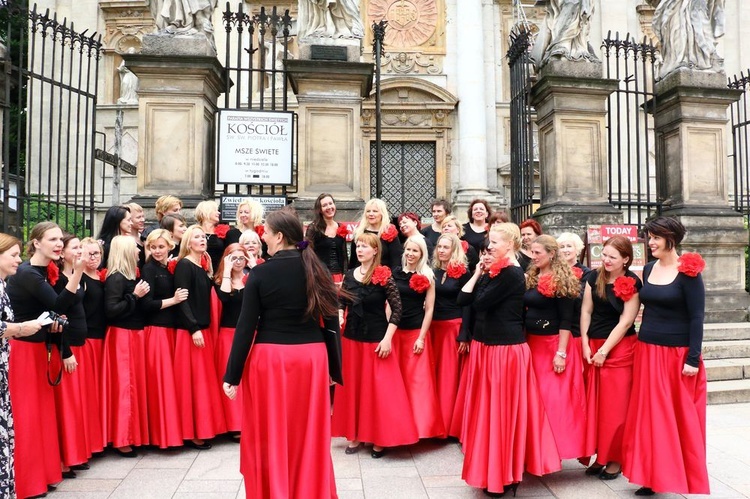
pixel 566 284
pixel 37 233
pixel 623 246
pixel 227 251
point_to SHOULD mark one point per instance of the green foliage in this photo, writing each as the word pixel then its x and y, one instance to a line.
pixel 38 209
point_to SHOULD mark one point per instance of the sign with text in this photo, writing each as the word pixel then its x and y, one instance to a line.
pixel 597 235
pixel 229 205
pixel 255 147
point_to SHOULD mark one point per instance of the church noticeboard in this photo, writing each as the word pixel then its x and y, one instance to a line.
pixel 255 147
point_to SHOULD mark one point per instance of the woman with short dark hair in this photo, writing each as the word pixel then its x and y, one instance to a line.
pixel 475 230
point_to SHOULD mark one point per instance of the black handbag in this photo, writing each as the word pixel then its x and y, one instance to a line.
pixel 333 347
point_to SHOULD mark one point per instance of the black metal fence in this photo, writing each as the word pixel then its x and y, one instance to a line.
pixel 632 148
pixel 257 46
pixel 741 144
pixel 48 95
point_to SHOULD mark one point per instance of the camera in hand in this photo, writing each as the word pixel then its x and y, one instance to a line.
pixel 55 317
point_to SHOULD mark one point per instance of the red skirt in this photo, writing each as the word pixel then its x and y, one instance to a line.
pixel 457 419
pixel 664 440
pixel 232 408
pixel 124 380
pixel 69 394
pixel 607 397
pixel 90 367
pixel 563 394
pixel 199 391
pixel 164 428
pixel 444 346
pixel 506 429
pixel 418 373
pixel 372 405
pixel 286 426
pixel 576 348
pixel 37 453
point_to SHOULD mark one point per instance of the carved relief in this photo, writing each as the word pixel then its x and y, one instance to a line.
pixel 405 63
pixel 413 25
pixel 646 20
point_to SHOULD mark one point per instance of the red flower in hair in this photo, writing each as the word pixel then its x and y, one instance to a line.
pixel 691 264
pixel 381 275
pixel 577 271
pixel 624 288
pixel 419 283
pixel 259 229
pixel 221 230
pixel 102 275
pixel 389 234
pixel 546 286
pixel 205 262
pixel 171 265
pixel 496 267
pixel 137 273
pixel 465 245
pixel 455 270
pixel 53 273
pixel 342 231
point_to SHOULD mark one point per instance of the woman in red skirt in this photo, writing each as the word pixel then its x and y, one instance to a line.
pixel 551 290
pixel 328 237
pixel 664 440
pixel 416 286
pixel 505 426
pixel 160 311
pixel 286 428
pixel 571 247
pixel 370 407
pixel 610 305
pixel 124 367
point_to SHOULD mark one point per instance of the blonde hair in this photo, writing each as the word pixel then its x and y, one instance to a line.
pixel 422 264
pixel 510 233
pixel 185 245
pixel 160 234
pixel 134 208
pixel 164 203
pixel 122 257
pixel 90 240
pixel 384 221
pixel 372 241
pixel 251 234
pixel 458 256
pixel 256 213
pixel 452 219
pixel 566 284
pixel 574 238
pixel 204 210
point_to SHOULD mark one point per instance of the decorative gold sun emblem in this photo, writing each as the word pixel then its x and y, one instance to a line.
pixel 411 23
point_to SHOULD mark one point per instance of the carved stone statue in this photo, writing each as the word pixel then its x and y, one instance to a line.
pixel 275 60
pixel 565 32
pixel 329 19
pixel 188 17
pixel 688 31
pixel 128 84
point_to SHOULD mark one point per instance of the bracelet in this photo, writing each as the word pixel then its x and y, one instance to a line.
pixel 602 353
pixel 20 329
pixel 225 277
pixel 561 354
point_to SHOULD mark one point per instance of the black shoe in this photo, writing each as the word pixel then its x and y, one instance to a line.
pixel 80 467
pixel 595 469
pixel 353 450
pixel 605 475
pixel 493 494
pixel 377 454
pixel 130 454
pixel 69 474
pixel 511 487
pixel 644 491
pixel 193 445
pixel 44 494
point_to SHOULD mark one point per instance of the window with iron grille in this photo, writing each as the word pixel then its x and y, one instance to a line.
pixel 408 170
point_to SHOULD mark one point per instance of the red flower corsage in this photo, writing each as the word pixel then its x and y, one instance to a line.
pixel 455 270
pixel 381 275
pixel 389 234
pixel 546 286
pixel 53 273
pixel 259 229
pixel 624 288
pixel 205 262
pixel 244 279
pixel 691 264
pixel 419 283
pixel 342 231
pixel 102 275
pixel 221 230
pixel 171 265
pixel 578 272
pixel 465 246
pixel 258 261
pixel 137 273
pixel 496 267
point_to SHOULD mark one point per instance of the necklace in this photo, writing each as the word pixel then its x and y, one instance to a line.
pixel 361 272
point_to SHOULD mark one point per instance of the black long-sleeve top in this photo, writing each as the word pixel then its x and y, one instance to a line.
pixel 497 307
pixel 231 306
pixel 193 314
pixel 472 237
pixel 446 293
pixel 233 236
pixel 673 313
pixel 330 250
pixel 274 302
pixel 412 302
pixel 575 325
pixel 93 305
pixel 390 255
pixel 365 313
pixel 30 294
pixel 606 313
pixel 523 260
pixel 546 316
pixel 162 286
pixel 75 332
pixel 120 304
pixel 215 249
pixel 430 234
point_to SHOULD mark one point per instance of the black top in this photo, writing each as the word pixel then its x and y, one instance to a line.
pixel 473 238
pixel 175 252
pixel 215 249
pixel 575 325
pixel 120 304
pixel 606 313
pixel 233 236
pixel 365 318
pixel 412 302
pixel 93 305
pixel 523 260
pixel 546 316
pixel 75 333
pixel 446 293
pixel 30 294
pixel 330 250
pixel 390 256
pixel 430 234
pixel 274 301
pixel 497 307
pixel 673 313
pixel 231 306
pixel 193 314
pixel 162 288
pixel 472 256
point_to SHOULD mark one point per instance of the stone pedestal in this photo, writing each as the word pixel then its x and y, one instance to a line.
pixel 177 108
pixel 330 96
pixel 691 127
pixel 570 100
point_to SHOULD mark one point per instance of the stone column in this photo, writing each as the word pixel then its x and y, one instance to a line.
pixel 570 100
pixel 691 127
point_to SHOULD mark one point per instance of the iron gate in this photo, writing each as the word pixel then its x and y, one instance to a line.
pixel 408 179
pixel 48 90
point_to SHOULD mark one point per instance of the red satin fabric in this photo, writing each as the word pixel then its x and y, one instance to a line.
pixel 607 396
pixel 576 348
pixel 506 429
pixel 232 408
pixel 90 367
pixel 164 425
pixel 664 441
pixel 124 397
pixel 442 338
pixel 199 390
pixel 457 418
pixel 418 373
pixel 286 427
pixel 563 394
pixel 69 394
pixel 372 405
pixel 37 454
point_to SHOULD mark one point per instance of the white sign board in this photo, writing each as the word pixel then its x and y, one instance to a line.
pixel 255 147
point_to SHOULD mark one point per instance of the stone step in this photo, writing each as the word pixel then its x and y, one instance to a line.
pixel 726 349
pixel 729 392
pixel 727 369
pixel 726 331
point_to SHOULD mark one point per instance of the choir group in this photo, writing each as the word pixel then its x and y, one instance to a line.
pixel 487 332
